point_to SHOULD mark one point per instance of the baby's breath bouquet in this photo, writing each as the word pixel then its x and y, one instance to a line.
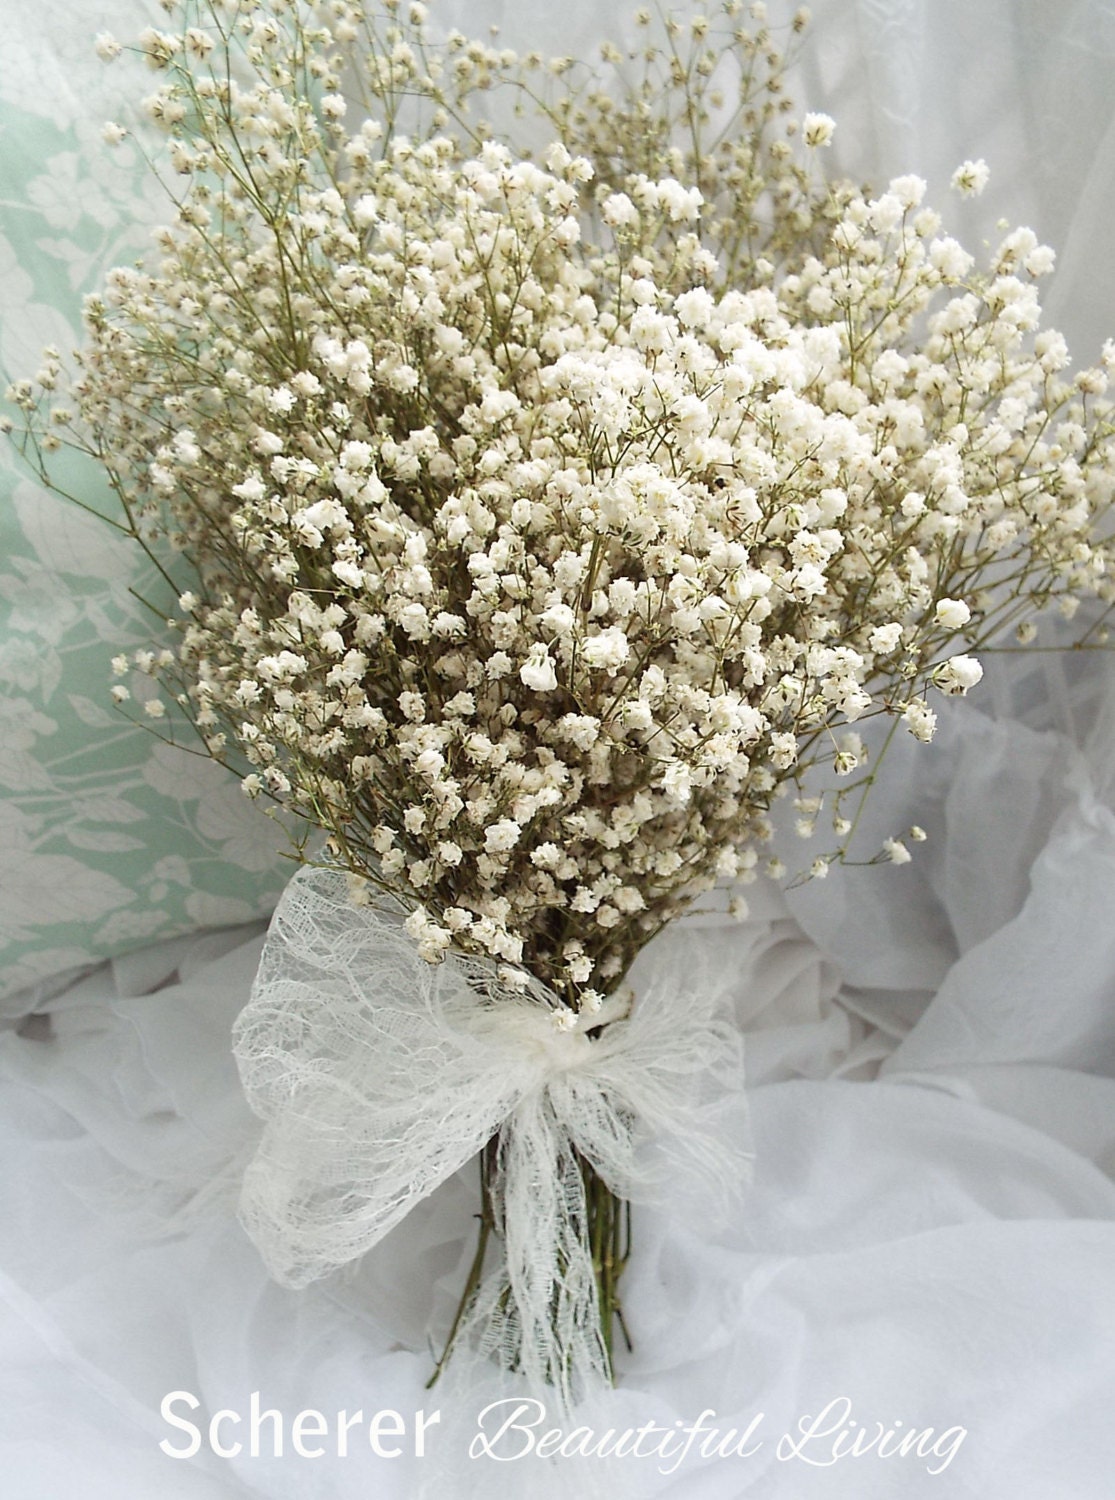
pixel 547 519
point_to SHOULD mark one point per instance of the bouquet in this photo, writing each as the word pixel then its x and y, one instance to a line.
pixel 546 520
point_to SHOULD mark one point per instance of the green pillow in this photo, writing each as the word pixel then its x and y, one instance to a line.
pixel 109 839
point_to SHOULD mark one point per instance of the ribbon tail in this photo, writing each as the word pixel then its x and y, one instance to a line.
pixel 537 1313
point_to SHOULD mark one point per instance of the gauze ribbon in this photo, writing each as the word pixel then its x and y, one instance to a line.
pixel 379 1075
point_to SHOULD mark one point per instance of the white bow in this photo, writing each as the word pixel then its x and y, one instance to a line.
pixel 379 1075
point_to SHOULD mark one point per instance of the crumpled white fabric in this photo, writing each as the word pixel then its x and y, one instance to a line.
pixel 935 1245
pixel 379 1075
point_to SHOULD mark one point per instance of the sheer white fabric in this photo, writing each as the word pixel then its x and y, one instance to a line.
pixel 931 1050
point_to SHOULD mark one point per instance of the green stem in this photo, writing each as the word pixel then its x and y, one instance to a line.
pixel 608 1218
pixel 607 1229
pixel 477 1266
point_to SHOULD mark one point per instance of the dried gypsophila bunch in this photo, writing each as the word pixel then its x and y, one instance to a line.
pixel 175 362
pixel 547 527
pixel 528 578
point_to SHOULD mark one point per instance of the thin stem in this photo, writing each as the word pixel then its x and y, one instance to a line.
pixel 475 1270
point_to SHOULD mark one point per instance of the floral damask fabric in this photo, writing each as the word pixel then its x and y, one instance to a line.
pixel 109 838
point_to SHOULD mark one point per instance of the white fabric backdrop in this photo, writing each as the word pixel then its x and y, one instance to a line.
pixel 931 1232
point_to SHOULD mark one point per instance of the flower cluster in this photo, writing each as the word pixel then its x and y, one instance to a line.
pixel 549 520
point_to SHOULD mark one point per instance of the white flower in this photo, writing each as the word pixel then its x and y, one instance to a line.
pixel 680 203
pixel 498 665
pixel 619 212
pixel 896 851
pixel 1040 261
pixel 430 764
pixel 415 621
pixel 808 582
pixel 677 781
pixel 851 699
pixel 431 937
pixel 957 675
pixel 348 573
pixel 913 505
pixel 783 750
pixel 608 650
pixel 920 720
pixel 885 638
pixel 537 672
pixel 199 43
pixel 953 614
pixel 695 308
pixel 817 130
pixel 559 618
pixel 971 177
pixel 502 836
pixel 556 156
pixel 909 190
pixel 950 259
